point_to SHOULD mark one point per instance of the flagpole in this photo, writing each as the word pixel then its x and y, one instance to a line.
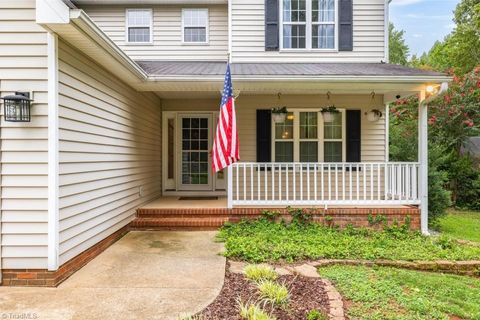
pixel 229 169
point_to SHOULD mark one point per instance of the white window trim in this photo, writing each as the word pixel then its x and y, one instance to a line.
pixel 206 27
pixel 308 31
pixel 150 26
pixel 320 131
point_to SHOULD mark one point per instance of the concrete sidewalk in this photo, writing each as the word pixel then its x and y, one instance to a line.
pixel 145 275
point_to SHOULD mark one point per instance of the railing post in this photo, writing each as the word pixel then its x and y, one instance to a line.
pixel 230 187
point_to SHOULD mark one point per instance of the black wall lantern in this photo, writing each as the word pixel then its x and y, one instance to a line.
pixel 17 107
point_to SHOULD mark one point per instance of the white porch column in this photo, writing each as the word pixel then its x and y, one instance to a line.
pixel 423 160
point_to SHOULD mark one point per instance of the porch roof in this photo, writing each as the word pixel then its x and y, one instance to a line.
pixel 155 68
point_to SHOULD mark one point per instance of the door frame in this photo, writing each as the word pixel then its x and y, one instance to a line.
pixel 170 187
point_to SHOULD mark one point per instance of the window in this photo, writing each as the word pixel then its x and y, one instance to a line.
pixel 309 24
pixel 195 25
pixel 305 137
pixel 139 25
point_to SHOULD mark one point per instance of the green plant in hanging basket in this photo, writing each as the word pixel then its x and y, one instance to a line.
pixel 279 110
pixel 329 109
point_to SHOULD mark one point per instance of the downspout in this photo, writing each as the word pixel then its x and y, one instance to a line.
pixel 387 31
pixel 423 153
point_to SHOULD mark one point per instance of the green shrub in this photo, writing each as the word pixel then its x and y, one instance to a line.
pixel 270 215
pixel 316 315
pixel 259 273
pixel 465 182
pixel 273 292
pixel 253 312
pixel 300 215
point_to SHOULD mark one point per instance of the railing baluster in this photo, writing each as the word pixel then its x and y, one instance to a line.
pixel 315 177
pixel 286 181
pixel 244 182
pixel 364 181
pixel 280 182
pixel 371 181
pixel 266 182
pixel 358 183
pixel 343 181
pixel 294 177
pixel 336 181
pixel 237 188
pixel 301 182
pixel 379 181
pixel 251 181
pixel 351 182
pixel 386 182
pixel 308 182
pixel 323 182
pixel 258 182
pixel 329 183
pixel 273 181
pixel 407 187
pixel 415 182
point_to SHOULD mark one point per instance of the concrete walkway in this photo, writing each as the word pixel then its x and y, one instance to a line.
pixel 145 275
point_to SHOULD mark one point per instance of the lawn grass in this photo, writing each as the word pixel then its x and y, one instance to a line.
pixel 463 225
pixel 264 241
pixel 388 293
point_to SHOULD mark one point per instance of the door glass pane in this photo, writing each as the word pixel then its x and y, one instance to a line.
pixel 309 151
pixel 333 151
pixel 195 151
pixel 283 151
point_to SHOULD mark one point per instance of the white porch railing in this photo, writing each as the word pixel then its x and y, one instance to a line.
pixel 318 184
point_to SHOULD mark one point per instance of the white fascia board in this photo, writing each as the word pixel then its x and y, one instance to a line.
pixel 52 12
pixel 346 79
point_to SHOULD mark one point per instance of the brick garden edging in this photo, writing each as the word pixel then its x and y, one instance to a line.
pixel 465 268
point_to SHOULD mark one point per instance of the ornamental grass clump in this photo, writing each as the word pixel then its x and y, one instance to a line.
pixel 259 273
pixel 252 311
pixel 273 293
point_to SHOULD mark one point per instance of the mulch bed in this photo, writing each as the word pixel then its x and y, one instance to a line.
pixel 305 294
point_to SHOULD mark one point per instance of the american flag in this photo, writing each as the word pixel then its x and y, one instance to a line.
pixel 225 143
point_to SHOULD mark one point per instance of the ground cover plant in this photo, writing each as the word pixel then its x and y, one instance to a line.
pixel 388 293
pixel 464 225
pixel 262 240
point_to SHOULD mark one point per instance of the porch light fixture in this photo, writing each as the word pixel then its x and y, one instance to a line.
pixel 17 107
pixel 373 115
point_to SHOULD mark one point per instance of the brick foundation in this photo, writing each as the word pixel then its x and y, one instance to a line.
pixel 201 219
pixel 45 278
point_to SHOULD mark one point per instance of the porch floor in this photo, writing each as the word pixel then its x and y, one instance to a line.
pixel 173 202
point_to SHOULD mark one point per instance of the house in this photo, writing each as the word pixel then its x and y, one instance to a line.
pixel 125 97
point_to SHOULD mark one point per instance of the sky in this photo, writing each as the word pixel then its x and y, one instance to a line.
pixel 424 21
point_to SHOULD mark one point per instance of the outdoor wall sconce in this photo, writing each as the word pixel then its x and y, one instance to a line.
pixel 17 107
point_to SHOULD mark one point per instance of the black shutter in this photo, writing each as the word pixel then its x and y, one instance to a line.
pixel 345 28
pixel 264 135
pixel 271 25
pixel 354 132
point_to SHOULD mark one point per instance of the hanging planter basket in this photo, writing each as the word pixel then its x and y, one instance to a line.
pixel 374 115
pixel 279 115
pixel 329 113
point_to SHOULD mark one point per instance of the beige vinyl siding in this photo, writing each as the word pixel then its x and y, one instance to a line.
pixel 24 155
pixel 248 35
pixel 373 133
pixel 167 33
pixel 110 139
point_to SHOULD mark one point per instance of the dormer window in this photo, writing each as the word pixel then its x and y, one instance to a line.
pixel 139 26
pixel 195 26
pixel 309 24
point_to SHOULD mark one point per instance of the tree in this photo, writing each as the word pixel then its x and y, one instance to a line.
pixel 397 47
pixel 460 49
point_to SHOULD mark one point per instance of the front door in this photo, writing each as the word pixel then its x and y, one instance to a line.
pixel 195 143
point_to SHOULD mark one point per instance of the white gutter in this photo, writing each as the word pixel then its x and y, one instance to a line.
pixel 82 21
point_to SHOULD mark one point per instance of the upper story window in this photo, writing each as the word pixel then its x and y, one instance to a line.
pixel 309 24
pixel 195 25
pixel 305 137
pixel 139 25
